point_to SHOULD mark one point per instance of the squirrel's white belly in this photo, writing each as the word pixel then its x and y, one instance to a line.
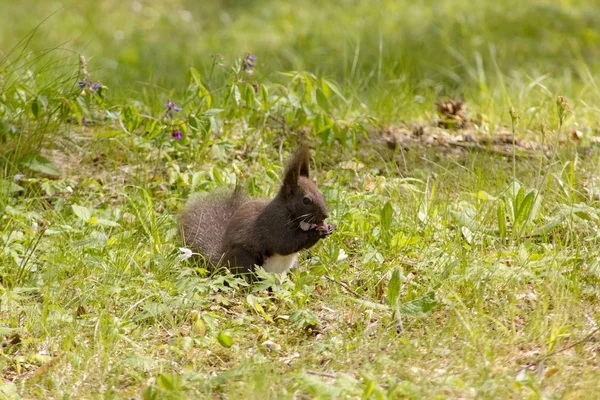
pixel 278 263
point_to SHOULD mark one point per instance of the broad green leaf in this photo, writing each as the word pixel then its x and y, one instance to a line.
pixel 393 289
pixel 561 215
pixel 305 319
pixel 106 222
pixel 386 216
pixel 235 94
pixel 502 220
pixel 420 306
pixel 537 205
pixel 82 212
pixel 9 391
pixel 467 234
pixel 517 200
pixel 264 97
pixel 525 207
pixel 195 75
pixel 550 225
pixel 401 240
pixel 322 100
pixel 4 331
pixel 166 382
pixel 9 187
pixel 463 219
pixel 213 111
pixel 325 89
pixel 225 340
pixel 334 88
pixel 35 108
pixel 40 164
pixel 485 196
pixel 249 96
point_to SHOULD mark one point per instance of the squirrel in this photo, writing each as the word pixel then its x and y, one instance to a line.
pixel 230 230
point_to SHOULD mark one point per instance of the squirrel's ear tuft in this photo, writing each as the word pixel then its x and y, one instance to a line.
pixel 297 167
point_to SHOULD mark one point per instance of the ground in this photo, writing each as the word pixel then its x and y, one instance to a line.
pixel 456 147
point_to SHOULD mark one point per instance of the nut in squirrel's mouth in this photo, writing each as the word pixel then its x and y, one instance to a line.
pixel 305 226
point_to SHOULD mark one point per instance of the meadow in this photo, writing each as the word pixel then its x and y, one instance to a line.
pixel 455 142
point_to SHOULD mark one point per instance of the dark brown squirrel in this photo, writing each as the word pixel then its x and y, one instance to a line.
pixel 239 233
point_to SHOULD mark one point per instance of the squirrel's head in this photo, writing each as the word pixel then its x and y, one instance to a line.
pixel 302 198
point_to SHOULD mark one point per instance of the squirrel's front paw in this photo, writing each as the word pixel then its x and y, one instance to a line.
pixel 325 229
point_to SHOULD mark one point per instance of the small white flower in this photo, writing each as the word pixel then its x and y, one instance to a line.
pixel 185 253
pixel 342 255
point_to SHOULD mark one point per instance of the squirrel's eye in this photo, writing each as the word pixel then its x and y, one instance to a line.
pixel 306 200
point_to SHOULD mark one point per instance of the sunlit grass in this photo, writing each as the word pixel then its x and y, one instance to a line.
pixel 454 271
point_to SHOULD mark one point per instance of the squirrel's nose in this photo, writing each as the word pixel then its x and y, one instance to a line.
pixel 325 214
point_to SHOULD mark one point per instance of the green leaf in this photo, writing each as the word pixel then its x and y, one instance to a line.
pixel 201 90
pixel 82 212
pixel 305 319
pixel 40 103
pixel 326 89
pixel 563 213
pixel 9 187
pixel 517 200
pixel 264 97
pixel 35 108
pixel 550 225
pixel 334 88
pixel 420 306
pixel 213 111
pixel 386 216
pixel 322 100
pixel 106 222
pixel 537 205
pixel 393 289
pixel 9 391
pixel 40 164
pixel 225 340
pixel 4 331
pixel 166 382
pixel 249 96
pixel 485 196
pixel 463 219
pixel 525 207
pixel 400 240
pixel 253 302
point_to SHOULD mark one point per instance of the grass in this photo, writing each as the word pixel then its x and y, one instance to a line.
pixel 455 271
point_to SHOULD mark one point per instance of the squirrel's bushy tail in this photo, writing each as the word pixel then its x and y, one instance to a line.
pixel 204 220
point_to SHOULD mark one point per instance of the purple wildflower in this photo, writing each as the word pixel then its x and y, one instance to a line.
pixel 96 86
pixel 172 107
pixel 81 84
pixel 177 135
pixel 248 63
